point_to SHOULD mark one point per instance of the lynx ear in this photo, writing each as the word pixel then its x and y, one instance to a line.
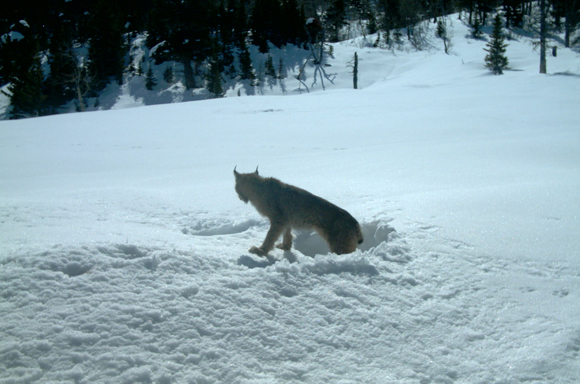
pixel 236 174
pixel 257 170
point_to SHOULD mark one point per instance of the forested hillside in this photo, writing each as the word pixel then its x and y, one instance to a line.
pixel 67 51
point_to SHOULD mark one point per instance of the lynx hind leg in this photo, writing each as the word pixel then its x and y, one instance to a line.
pixel 286 243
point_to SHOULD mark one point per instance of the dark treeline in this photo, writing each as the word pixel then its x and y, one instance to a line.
pixel 58 51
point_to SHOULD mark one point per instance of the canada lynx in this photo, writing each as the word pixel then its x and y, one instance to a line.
pixel 290 207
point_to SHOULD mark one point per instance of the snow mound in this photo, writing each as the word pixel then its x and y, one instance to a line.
pixel 128 312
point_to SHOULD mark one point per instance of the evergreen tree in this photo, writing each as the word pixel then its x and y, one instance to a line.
pixel 106 46
pixel 168 75
pixel 246 68
pixel 292 23
pixel 476 32
pixel 569 10
pixel 266 24
pixel 59 87
pixel 391 19
pixel 514 15
pixel 184 30
pixel 335 19
pixel 467 6
pixel 223 23
pixel 281 69
pixel 484 7
pixel 214 78
pixel 363 12
pixel 239 23
pixel 27 96
pixel 150 80
pixel 495 59
pixel 270 70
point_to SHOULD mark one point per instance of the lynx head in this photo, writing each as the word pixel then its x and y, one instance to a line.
pixel 243 181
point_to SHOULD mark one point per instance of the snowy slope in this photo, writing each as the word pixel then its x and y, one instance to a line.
pixel 123 253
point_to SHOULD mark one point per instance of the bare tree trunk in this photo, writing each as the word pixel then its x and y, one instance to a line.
pixel 80 97
pixel 80 79
pixel 543 32
pixel 355 72
pixel 567 33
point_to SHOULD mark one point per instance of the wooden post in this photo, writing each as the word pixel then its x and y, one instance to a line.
pixel 355 71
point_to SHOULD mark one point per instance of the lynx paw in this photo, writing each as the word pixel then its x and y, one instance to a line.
pixel 258 251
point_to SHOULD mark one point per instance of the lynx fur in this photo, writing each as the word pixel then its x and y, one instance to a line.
pixel 288 207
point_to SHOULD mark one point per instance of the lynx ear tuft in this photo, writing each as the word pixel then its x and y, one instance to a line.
pixel 236 172
pixel 257 170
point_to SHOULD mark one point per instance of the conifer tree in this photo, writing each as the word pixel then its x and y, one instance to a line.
pixel 106 46
pixel 150 80
pixel 270 70
pixel 246 67
pixel 514 16
pixel 61 61
pixel 391 19
pixel 476 32
pixel 495 59
pixel 182 32
pixel 281 69
pixel 239 23
pixel 27 96
pixel 214 78
pixel 168 75
pixel 335 19
pixel 292 22
pixel 215 68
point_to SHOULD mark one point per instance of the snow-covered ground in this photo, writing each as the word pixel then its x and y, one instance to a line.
pixel 123 252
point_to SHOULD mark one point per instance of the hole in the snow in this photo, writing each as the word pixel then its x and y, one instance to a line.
pixel 311 244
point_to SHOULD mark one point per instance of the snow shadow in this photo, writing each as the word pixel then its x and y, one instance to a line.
pixel 124 251
pixel 251 262
pixel 219 227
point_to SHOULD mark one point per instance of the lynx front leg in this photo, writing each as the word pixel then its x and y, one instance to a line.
pixel 286 243
pixel 273 234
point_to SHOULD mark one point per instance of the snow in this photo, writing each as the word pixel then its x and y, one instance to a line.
pixel 123 253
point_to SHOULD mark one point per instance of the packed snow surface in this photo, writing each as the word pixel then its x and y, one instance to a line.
pixel 123 253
